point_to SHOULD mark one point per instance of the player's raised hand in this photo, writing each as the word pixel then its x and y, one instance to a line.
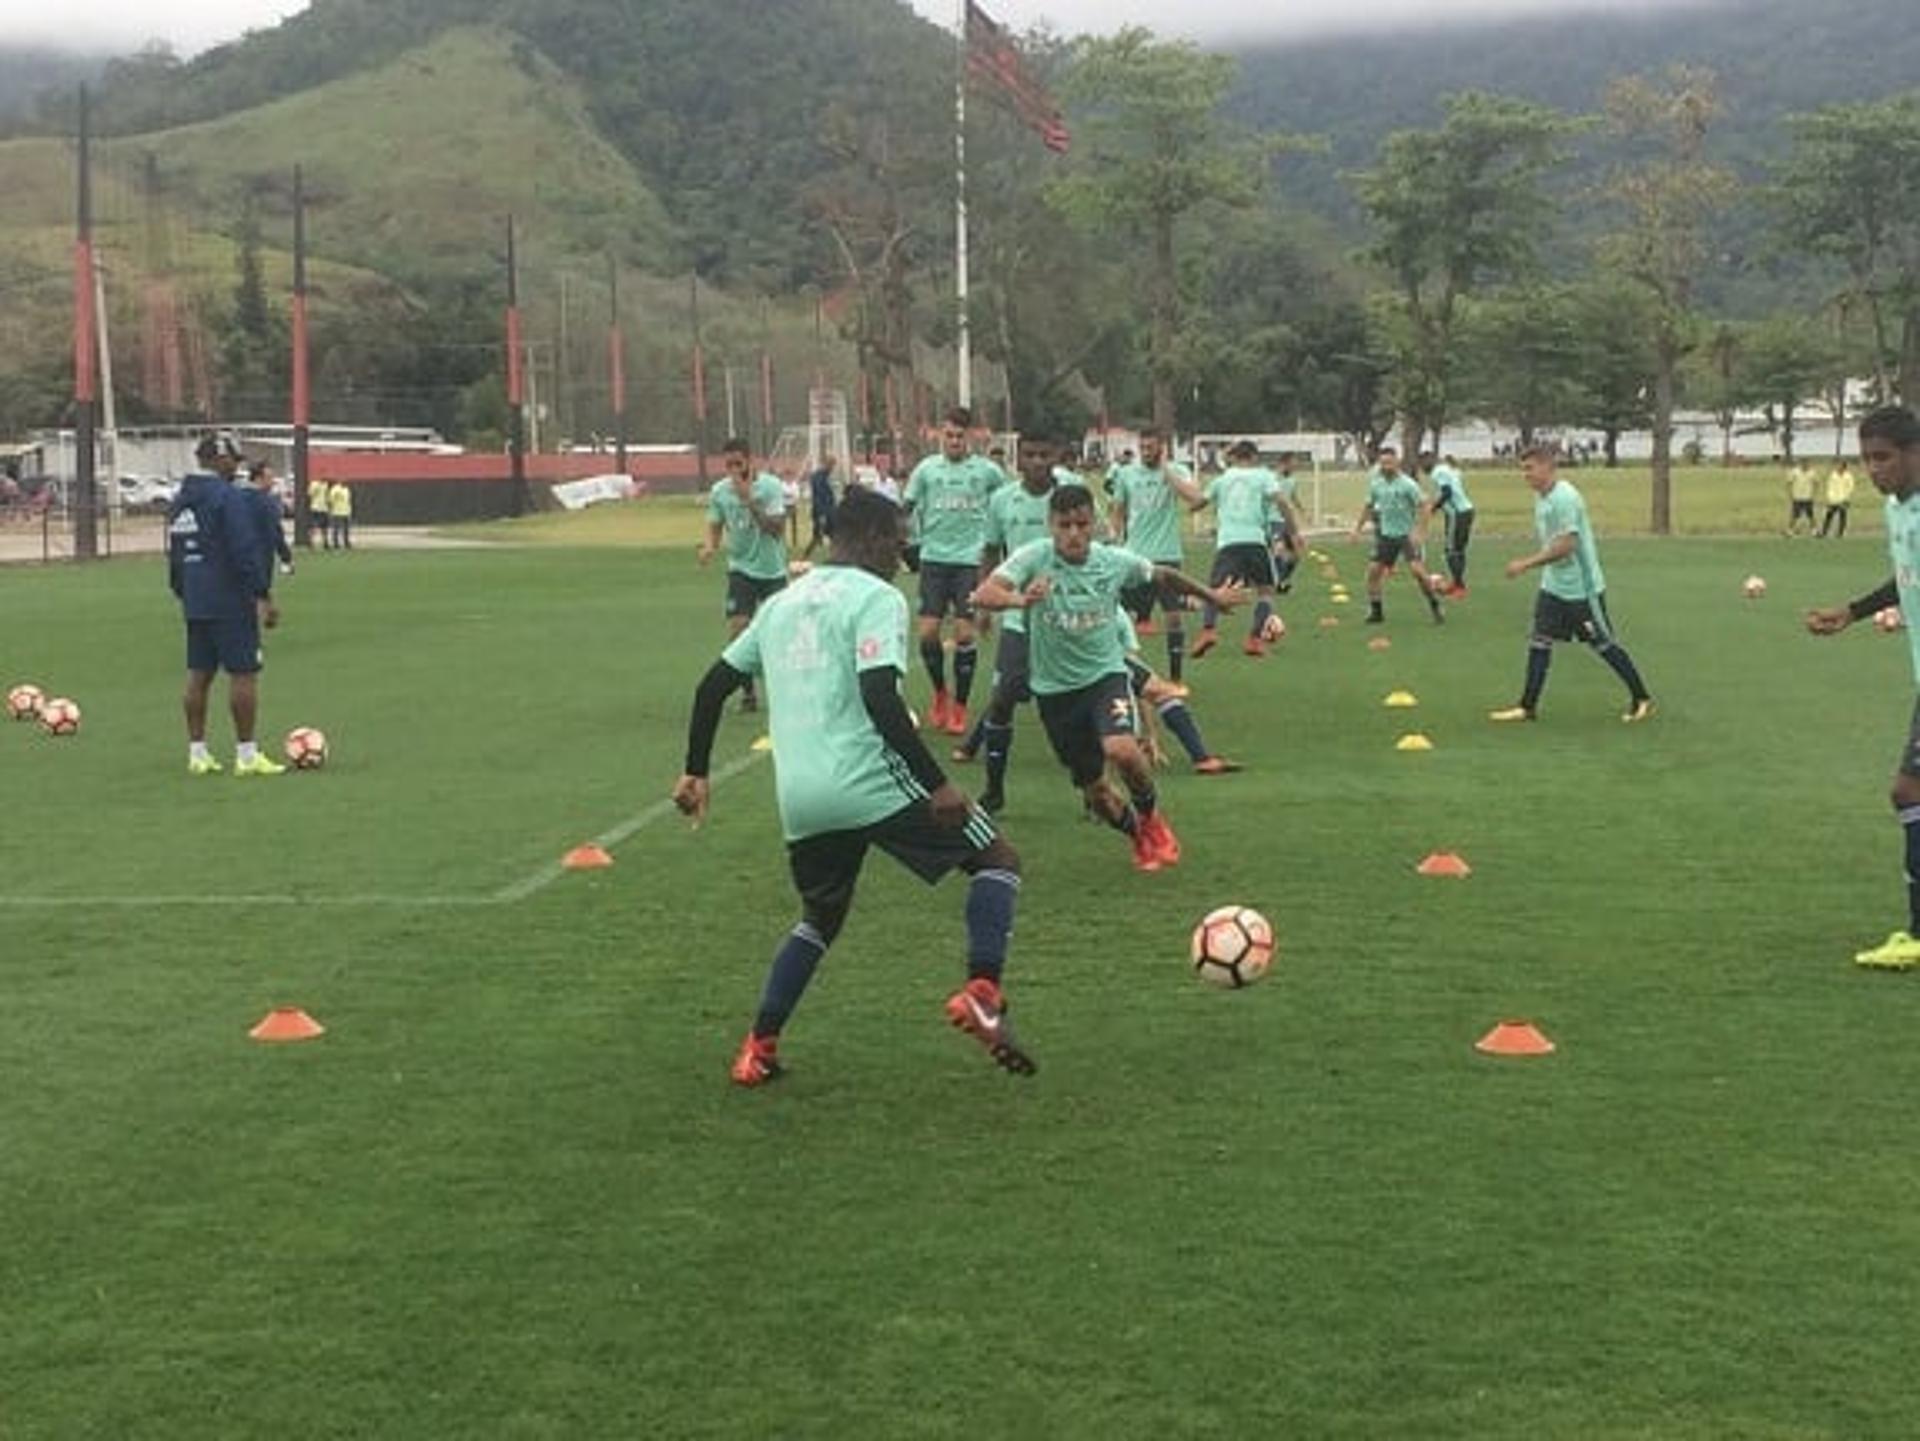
pixel 1829 621
pixel 951 808
pixel 690 796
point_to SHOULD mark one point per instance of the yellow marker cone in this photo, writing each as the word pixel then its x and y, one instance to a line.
pixel 1401 700
pixel 1340 597
pixel 763 745
pixel 1414 742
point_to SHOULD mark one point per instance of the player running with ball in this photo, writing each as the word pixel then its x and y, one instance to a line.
pixel 1890 445
pixel 851 773
pixel 1070 586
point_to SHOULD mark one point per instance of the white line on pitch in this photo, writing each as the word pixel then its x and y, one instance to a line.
pixel 552 871
pixel 519 890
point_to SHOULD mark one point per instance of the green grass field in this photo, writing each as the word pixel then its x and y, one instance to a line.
pixel 511 1194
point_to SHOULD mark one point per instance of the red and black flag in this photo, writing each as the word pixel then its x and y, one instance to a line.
pixel 994 60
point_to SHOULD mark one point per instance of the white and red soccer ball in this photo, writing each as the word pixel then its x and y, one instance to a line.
pixel 60 717
pixel 1232 947
pixel 1275 629
pixel 1753 587
pixel 1888 620
pixel 306 748
pixel 25 702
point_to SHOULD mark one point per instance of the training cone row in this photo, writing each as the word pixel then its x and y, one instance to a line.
pixel 287 1023
pixel 1515 1038
pixel 587 858
pixel 1401 700
pixel 1413 742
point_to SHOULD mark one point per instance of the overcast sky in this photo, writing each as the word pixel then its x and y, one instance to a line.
pixel 194 24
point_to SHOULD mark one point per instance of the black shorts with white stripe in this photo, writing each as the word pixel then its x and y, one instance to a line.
pixel 827 866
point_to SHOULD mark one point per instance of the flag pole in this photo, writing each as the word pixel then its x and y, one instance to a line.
pixel 963 343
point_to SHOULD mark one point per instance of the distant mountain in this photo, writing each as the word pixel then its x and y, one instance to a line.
pixel 1773 57
pixel 27 73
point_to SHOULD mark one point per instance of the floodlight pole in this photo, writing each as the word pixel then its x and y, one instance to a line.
pixel 516 383
pixel 963 341
pixel 302 381
pixel 85 498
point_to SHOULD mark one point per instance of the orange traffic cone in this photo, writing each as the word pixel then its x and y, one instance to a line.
pixel 1515 1038
pixel 1444 863
pixel 587 858
pixel 287 1023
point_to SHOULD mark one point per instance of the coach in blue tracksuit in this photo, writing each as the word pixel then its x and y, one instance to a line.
pixel 218 564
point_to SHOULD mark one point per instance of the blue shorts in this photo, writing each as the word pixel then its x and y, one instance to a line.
pixel 1078 722
pixel 231 644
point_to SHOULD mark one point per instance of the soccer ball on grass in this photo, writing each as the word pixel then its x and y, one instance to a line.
pixel 1232 947
pixel 1889 619
pixel 60 717
pixel 24 702
pixel 1753 587
pixel 306 748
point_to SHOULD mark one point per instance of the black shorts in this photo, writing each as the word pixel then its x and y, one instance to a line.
pixel 1248 563
pixel 1077 721
pixel 231 644
pixel 1910 755
pixel 1800 508
pixel 826 867
pixel 1584 620
pixel 1141 599
pixel 746 593
pixel 1010 666
pixel 1389 550
pixel 945 587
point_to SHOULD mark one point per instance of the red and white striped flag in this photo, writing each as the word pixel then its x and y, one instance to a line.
pixel 994 60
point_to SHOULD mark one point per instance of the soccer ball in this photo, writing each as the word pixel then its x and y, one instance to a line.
pixel 1753 587
pixel 1232 947
pixel 60 717
pixel 1275 629
pixel 1889 619
pixel 306 749
pixel 24 702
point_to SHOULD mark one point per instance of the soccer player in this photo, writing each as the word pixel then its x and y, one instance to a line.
pixel 1450 496
pixel 1572 604
pixel 1245 497
pixel 1839 499
pixel 1285 538
pixel 1398 511
pixel 1070 585
pixel 751 513
pixel 1150 495
pixel 1890 448
pixel 1016 517
pixel 852 774
pixel 947 496
pixel 219 568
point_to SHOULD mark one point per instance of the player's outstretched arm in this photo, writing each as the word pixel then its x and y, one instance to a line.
pixel 711 545
pixel 1834 619
pixel 709 701
pixel 1226 597
pixel 1366 518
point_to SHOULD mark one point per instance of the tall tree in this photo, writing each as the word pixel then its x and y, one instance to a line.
pixel 1152 159
pixel 1521 359
pixel 1452 210
pixel 1667 201
pixel 1617 367
pixel 1790 360
pixel 1850 189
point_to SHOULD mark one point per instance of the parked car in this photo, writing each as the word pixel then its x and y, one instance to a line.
pixel 147 492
